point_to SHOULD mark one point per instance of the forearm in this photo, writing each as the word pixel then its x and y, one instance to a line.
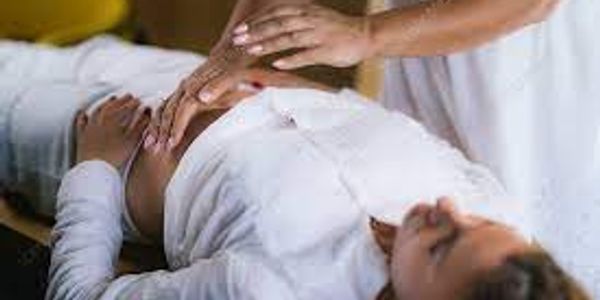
pixel 87 236
pixel 446 26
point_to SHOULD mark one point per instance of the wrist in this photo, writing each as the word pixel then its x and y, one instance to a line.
pixel 228 56
pixel 221 44
pixel 368 29
pixel 97 158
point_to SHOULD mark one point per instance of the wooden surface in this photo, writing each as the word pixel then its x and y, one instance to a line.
pixel 134 258
pixel 27 227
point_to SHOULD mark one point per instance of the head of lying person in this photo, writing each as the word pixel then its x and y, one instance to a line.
pixel 441 253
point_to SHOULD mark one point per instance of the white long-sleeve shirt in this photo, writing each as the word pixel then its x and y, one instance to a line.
pixel 87 241
pixel 272 201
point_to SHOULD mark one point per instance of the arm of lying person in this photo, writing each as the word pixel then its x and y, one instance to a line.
pixel 172 119
pixel 87 238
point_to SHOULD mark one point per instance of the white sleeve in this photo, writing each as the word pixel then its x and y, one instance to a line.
pixel 87 238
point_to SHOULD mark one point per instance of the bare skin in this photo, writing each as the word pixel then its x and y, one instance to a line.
pixel 150 175
pixel 209 81
pixel 112 132
pixel 152 169
pixel 439 250
pixel 323 36
pixel 437 27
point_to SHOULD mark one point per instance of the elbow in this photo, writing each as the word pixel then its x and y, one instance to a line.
pixel 541 10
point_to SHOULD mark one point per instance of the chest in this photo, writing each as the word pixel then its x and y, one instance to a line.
pixel 150 174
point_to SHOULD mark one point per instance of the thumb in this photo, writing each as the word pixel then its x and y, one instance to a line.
pixel 217 86
pixel 183 117
pixel 302 59
pixel 141 123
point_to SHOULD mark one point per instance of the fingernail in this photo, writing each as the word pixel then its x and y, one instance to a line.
pixel 279 64
pixel 257 85
pixel 255 49
pixel 240 39
pixel 149 141
pixel 172 143
pixel 205 97
pixel 157 148
pixel 241 29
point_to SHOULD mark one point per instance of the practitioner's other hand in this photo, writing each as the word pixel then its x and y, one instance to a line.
pixel 207 83
pixel 204 83
pixel 323 35
pixel 173 117
pixel 112 132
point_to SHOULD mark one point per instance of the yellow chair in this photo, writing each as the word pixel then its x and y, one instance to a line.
pixel 59 22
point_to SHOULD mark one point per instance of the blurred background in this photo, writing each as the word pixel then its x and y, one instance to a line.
pixel 193 25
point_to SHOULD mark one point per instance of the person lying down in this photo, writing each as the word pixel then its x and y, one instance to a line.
pixel 293 193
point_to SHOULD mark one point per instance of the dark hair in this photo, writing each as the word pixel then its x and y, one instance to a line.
pixel 528 276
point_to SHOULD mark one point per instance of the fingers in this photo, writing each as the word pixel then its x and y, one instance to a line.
pixel 195 84
pixel 231 98
pixel 248 80
pixel 139 123
pixel 143 113
pixel 302 59
pixel 445 207
pixel 167 114
pixel 125 113
pixel 278 11
pixel 97 110
pixel 152 131
pixel 292 40
pixel 117 107
pixel 200 91
pixel 115 102
pixel 167 121
pixel 184 115
pixel 222 84
pixel 273 28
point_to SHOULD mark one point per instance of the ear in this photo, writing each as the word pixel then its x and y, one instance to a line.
pixel 385 234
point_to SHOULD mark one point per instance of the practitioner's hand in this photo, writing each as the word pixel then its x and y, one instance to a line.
pixel 172 119
pixel 209 81
pixel 198 91
pixel 323 35
pixel 112 132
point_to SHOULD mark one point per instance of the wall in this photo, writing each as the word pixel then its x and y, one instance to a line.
pixel 197 24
